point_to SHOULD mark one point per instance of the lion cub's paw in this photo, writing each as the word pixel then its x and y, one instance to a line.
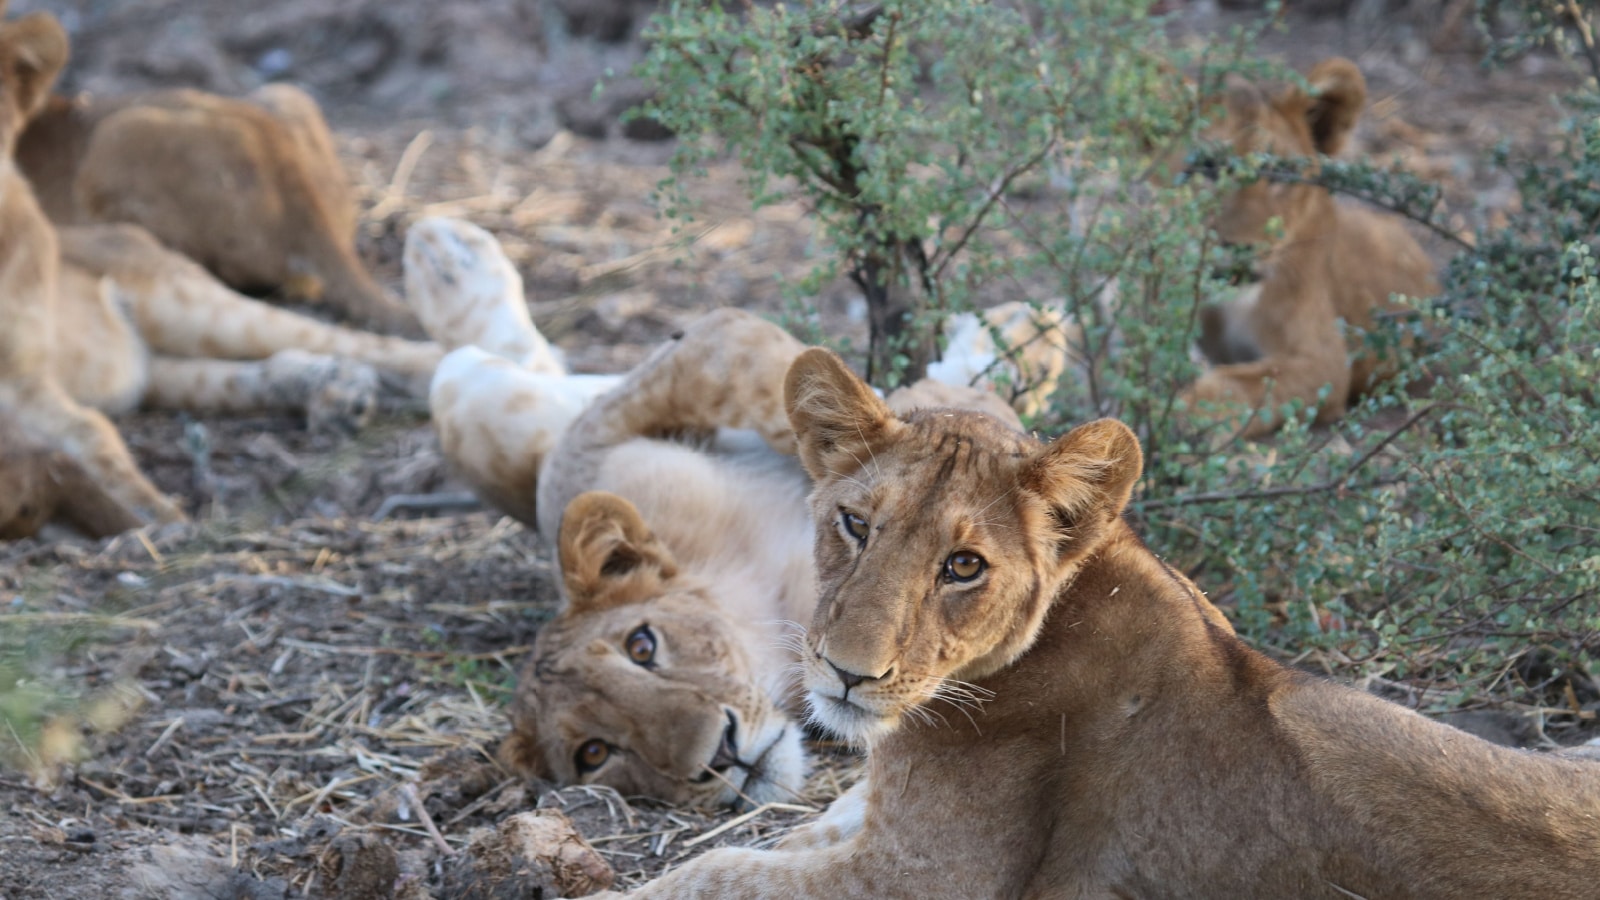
pixel 1034 346
pixel 497 421
pixel 337 394
pixel 467 293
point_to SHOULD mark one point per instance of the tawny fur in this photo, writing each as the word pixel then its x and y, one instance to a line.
pixel 1078 721
pixel 103 318
pixel 1301 333
pixel 1014 348
pixel 250 188
pixel 502 398
pixel 138 324
pixel 53 444
pixel 677 506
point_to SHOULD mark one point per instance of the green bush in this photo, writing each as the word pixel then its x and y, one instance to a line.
pixel 957 153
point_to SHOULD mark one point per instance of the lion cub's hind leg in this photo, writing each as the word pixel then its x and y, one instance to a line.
pixel 1250 395
pixel 336 394
pixel 726 371
pixel 258 200
pixel 181 310
pixel 467 293
pixel 98 356
pixel 1035 347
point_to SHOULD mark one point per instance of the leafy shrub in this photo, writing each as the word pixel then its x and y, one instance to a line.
pixel 957 152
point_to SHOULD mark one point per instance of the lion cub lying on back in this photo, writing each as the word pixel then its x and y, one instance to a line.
pixel 1132 745
pixel 681 527
pixel 1303 328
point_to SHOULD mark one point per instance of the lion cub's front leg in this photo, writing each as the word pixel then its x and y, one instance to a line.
pixel 841 821
pixel 725 371
pixel 737 873
pixel 98 486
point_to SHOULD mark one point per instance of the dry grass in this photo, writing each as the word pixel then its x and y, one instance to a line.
pixel 275 687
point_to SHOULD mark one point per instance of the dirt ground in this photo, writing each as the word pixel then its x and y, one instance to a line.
pixel 287 672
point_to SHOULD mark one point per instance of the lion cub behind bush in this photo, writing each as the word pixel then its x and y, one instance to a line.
pixel 1303 331
pixel 1131 745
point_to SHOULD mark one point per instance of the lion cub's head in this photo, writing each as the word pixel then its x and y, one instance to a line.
pixel 32 51
pixel 942 539
pixel 640 685
pixel 1289 122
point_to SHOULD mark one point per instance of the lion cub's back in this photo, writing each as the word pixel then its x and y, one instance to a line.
pixel 1455 815
pixel 1375 257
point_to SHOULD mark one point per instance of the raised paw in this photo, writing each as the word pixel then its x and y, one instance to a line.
pixel 467 293
pixel 1025 364
pixel 727 370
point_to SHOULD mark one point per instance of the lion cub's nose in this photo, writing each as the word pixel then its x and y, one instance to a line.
pixel 851 679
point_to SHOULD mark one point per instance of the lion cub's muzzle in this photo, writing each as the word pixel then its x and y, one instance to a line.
pixel 727 755
pixel 848 703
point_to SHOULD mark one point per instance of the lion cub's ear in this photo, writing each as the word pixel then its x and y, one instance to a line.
pixel 1340 93
pixel 1243 97
pixel 34 49
pixel 1086 476
pixel 835 416
pixel 609 556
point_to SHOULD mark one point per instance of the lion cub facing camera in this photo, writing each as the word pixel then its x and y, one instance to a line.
pixel 1130 744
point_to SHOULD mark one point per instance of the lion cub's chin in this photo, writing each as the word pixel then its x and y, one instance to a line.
pixel 777 772
pixel 851 723
pixel 857 721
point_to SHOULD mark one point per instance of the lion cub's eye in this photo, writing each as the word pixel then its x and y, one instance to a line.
pixel 641 646
pixel 854 525
pixel 963 565
pixel 592 755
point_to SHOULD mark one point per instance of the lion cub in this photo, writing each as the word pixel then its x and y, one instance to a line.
pixel 1054 712
pixel 251 188
pixel 1302 329
pixel 679 516
pixel 51 446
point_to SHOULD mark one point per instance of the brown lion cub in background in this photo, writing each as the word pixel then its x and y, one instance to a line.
pixel 1302 329
pixel 1132 745
pixel 251 188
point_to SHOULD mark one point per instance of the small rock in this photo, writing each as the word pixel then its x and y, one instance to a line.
pixel 530 854
pixel 589 114
pixel 360 866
